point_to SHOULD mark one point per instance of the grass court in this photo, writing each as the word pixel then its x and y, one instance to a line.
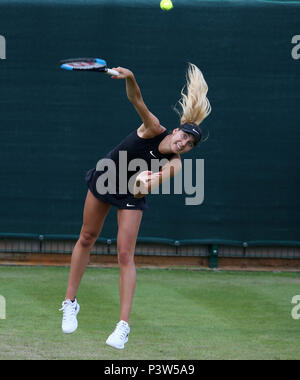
pixel 177 314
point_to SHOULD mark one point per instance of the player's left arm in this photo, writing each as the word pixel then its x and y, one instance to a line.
pixel 148 181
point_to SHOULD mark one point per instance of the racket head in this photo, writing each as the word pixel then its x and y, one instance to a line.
pixel 84 64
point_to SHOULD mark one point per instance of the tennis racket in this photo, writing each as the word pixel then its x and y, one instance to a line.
pixel 87 64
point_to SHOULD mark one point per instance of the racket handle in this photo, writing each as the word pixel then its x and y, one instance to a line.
pixel 112 72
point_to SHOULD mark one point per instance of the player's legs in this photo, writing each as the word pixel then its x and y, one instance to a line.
pixel 94 215
pixel 128 227
pixel 128 222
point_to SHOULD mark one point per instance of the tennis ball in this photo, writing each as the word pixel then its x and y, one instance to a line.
pixel 166 5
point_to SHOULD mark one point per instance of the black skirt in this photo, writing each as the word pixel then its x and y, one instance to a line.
pixel 121 201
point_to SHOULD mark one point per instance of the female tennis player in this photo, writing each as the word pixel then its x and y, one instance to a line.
pixel 150 140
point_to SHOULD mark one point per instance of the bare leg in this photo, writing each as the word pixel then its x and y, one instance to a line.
pixel 94 215
pixel 129 223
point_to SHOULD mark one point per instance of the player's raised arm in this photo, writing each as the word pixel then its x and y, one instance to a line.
pixel 151 125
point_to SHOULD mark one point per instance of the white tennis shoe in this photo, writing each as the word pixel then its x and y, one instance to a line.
pixel 120 336
pixel 70 310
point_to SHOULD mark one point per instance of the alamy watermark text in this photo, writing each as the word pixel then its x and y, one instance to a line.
pixel 296 49
pixel 120 178
pixel 2 307
pixel 2 47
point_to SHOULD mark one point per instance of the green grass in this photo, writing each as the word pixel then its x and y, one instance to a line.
pixel 177 314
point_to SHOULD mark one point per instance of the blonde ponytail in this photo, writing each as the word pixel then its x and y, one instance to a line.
pixel 195 106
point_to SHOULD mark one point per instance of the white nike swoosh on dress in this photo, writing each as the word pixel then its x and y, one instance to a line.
pixel 151 152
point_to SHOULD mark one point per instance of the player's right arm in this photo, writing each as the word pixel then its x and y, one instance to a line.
pixel 151 126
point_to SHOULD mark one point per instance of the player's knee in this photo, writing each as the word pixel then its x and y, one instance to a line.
pixel 87 239
pixel 125 257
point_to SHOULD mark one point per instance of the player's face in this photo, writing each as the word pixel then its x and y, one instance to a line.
pixel 181 141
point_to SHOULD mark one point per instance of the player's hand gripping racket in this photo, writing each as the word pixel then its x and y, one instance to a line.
pixel 88 64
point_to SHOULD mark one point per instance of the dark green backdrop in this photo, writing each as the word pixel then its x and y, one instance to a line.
pixel 55 125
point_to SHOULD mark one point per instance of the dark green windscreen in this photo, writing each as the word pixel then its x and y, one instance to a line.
pixel 55 125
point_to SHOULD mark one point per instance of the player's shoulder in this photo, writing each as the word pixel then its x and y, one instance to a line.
pixel 149 133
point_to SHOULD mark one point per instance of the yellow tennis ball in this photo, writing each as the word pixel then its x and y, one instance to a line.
pixel 166 5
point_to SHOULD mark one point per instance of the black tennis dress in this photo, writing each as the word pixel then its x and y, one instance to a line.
pixel 131 148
